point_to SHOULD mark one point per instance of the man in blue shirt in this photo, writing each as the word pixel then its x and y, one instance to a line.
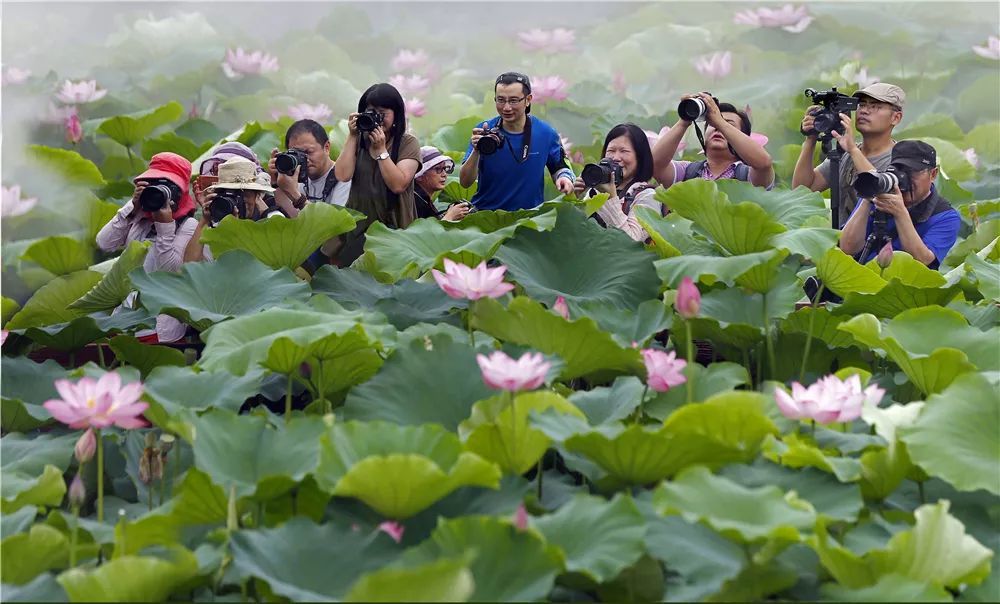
pixel 919 221
pixel 511 177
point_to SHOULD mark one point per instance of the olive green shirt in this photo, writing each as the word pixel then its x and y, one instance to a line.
pixel 370 195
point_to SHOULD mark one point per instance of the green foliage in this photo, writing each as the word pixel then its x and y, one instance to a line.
pixel 131 130
pixel 115 285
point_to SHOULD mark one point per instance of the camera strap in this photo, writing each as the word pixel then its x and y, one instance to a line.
pixel 701 139
pixel 527 141
pixel 328 185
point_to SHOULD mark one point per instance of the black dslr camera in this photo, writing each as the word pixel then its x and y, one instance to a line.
pixel 693 109
pixel 870 184
pixel 225 201
pixel 491 141
pixel 827 120
pixel 605 171
pixel 286 162
pixel 159 192
pixel 369 121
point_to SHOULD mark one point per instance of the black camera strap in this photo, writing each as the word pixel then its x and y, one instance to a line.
pixel 328 186
pixel 701 139
pixel 527 141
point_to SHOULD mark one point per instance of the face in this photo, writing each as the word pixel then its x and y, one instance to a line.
pixel 319 155
pixel 388 117
pixel 922 182
pixel 436 178
pixel 512 103
pixel 250 201
pixel 876 117
pixel 714 139
pixel 621 150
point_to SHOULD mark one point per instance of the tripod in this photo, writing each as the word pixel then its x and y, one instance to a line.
pixel 834 153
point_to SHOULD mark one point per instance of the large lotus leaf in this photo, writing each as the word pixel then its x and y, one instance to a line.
pixel 70 165
pixel 932 345
pixel 25 386
pixel 821 323
pixel 739 228
pixel 173 389
pixel 130 130
pixel 59 254
pixel 738 512
pixel 445 580
pixel 582 262
pixel 895 298
pixel 583 347
pixel 50 304
pixel 981 316
pixel 790 207
pixel 710 269
pixel 145 357
pixel 730 424
pixel 672 234
pixel 171 141
pixel 246 453
pixel 889 588
pixel 490 221
pixel 337 361
pixel 281 242
pixel 951 159
pixel 432 381
pixel 398 470
pixel 829 497
pixel 21 490
pixel 197 501
pixel 612 540
pixel 603 405
pixel 842 274
pixel 705 382
pixel 131 578
pixel 498 429
pixel 24 556
pixel 114 286
pixel 81 331
pixel 304 561
pixel 955 436
pixel 7 309
pixel 509 565
pixel 793 451
pixel 811 243
pixel 702 559
pixel 987 276
pixel 910 271
pixel 43 588
pixel 27 464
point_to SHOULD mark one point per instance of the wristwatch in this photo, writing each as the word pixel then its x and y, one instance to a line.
pixel 382 155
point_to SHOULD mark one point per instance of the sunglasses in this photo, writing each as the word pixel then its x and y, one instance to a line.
pixel 443 168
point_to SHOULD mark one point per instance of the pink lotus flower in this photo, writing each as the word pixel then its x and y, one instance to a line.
pixel 74 131
pixel 716 65
pixel 827 401
pixel 788 18
pixel 971 156
pixel 98 403
pixel 409 60
pixel 320 113
pixel 521 518
pixel 663 369
pixel 504 373
pixel 459 281
pixel 991 50
pixel 410 85
pixel 759 138
pixel 239 63
pixel 3 336
pixel 84 91
pixel 12 76
pixel 393 529
pixel 12 204
pixel 561 308
pixel 86 446
pixel 549 41
pixel 59 114
pixel 548 88
pixel 688 301
pixel 415 107
pixel 77 492
pixel 884 257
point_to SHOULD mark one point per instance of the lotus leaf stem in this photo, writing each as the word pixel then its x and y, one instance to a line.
pixel 809 336
pixel 288 398
pixel 513 429
pixel 540 477
pixel 690 362
pixel 100 356
pixel 468 320
pixel 100 476
pixel 73 536
pixel 642 401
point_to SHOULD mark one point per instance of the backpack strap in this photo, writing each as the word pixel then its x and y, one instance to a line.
pixel 694 169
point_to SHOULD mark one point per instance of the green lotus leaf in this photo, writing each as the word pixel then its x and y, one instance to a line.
pixel 822 323
pixel 710 269
pixel 613 539
pixel 580 343
pixel 7 308
pixel 72 167
pixel 702 559
pixel 932 345
pixel 706 382
pixel 628 327
pixel 59 254
pixel 115 285
pixel 454 192
pixel 171 141
pixel 954 437
pixel 173 389
pixel 43 588
pixel 130 130
pixel 910 271
pixel 145 357
pixel 987 276
pixel 981 316
pixel 24 387
pixel 811 243
pixel 673 235
pixel 791 207
pixel 445 580
pixel 50 304
pixel 32 469
pixel 197 501
pixel 605 405
pixel 433 380
pixel 951 159
pixel 81 331
pixel 895 298
pixel 499 433
pixel 977 241
pixel 889 588
pixel 203 293
pixel 281 242
pixel 792 451
pixel 828 496
pixel 337 361
pixel 20 490
pixel 246 453
pixel 509 565
pixel 131 578
pixel 842 274
pixel 18 522
pixel 26 555
pixel 398 470
pixel 584 263
pixel 737 512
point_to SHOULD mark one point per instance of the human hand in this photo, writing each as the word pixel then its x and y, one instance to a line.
pixel 163 214
pixel 565 185
pixel 477 133
pixel 846 140
pixel 139 186
pixel 808 121
pixel 289 183
pixel 457 211
pixel 376 142
pixel 579 186
pixel 272 167
pixel 609 188
pixel 352 123
pixel 713 116
pixel 891 203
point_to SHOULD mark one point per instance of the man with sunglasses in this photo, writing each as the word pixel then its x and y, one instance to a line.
pixel 432 177
pixel 880 109
pixel 512 177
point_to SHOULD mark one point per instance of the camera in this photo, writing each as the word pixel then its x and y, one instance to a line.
pixel 369 121
pixel 692 109
pixel 605 171
pixel 827 120
pixel 870 184
pixel 159 192
pixel 491 141
pixel 286 162
pixel 225 201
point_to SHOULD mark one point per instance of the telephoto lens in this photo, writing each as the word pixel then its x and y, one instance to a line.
pixel 690 110
pixel 870 184
pixel 226 200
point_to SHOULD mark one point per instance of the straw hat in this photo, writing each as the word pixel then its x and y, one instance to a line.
pixel 239 173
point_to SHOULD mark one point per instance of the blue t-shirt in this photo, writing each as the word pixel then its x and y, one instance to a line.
pixel 506 184
pixel 939 233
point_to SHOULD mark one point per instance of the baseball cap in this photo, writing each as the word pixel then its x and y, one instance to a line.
pixel 916 155
pixel 887 93
pixel 430 157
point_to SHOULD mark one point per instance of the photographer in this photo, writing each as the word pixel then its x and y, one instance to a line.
pixel 917 220
pixel 241 192
pixel 510 164
pixel 161 210
pixel 729 150
pixel 431 178
pixel 880 109
pixel 306 140
pixel 627 167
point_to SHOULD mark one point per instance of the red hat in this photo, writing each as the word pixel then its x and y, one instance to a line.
pixel 177 170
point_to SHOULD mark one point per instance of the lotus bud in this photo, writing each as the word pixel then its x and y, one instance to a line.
pixel 86 446
pixel 77 492
pixel 688 301
pixel 74 131
pixel 521 518
pixel 884 258
pixel 393 529
pixel 561 308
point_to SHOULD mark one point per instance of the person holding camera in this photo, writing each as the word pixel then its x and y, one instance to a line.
pixel 509 153
pixel 305 172
pixel 623 174
pixel 880 109
pixel 242 191
pixel 902 206
pixel 381 158
pixel 161 211
pixel 432 178
pixel 729 150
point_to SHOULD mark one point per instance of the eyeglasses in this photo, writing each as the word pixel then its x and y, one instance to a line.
pixel 444 168
pixel 513 101
pixel 873 107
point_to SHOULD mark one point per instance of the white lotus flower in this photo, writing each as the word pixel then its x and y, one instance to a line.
pixel 84 91
pixel 239 63
pixel 12 204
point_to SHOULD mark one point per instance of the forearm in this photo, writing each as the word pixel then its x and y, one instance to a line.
pixel 113 234
pixel 750 152
pixel 285 200
pixel 910 240
pixel 194 251
pixel 804 173
pixel 852 238
pixel 664 151
pixel 470 170
pixel 344 166
pixel 612 215
pixel 393 177
pixel 861 162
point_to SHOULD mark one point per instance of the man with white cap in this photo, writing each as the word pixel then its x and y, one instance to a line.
pixel 880 109
pixel 432 177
